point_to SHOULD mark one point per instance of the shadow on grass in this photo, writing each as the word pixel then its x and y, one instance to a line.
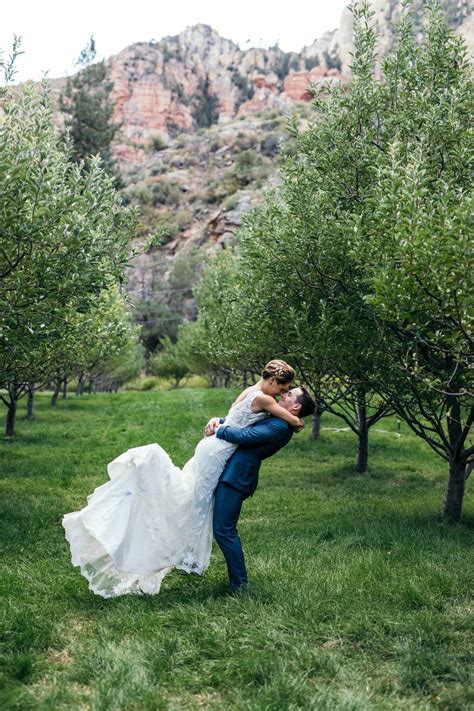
pixel 178 592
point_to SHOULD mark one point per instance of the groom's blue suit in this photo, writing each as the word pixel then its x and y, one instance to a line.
pixel 238 481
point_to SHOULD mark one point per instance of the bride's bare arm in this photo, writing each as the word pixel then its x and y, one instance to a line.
pixel 267 403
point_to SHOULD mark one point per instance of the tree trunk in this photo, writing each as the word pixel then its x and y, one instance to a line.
pixel 65 388
pixel 227 378
pixel 457 465
pixel 11 414
pixel 14 393
pixel 316 425
pixel 30 402
pixel 80 385
pixel 455 490
pixel 57 390
pixel 363 451
pixel 363 434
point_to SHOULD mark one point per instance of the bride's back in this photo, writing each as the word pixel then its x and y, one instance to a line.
pixel 244 393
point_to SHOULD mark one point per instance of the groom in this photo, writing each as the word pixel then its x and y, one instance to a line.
pixel 239 479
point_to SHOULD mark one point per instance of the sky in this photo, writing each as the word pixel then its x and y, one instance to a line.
pixel 53 32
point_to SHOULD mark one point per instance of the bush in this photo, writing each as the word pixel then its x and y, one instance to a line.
pixel 219 189
pixel 250 166
pixel 165 193
pixel 183 219
pixel 332 60
pixel 148 382
pixel 231 202
pixel 243 84
pixel 244 141
pixel 159 169
pixel 311 62
pixel 158 143
pixel 269 146
pixel 163 234
pixel 154 382
pixel 170 362
pixel 143 195
pixel 288 61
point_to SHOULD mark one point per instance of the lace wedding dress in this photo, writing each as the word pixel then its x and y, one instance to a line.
pixel 151 516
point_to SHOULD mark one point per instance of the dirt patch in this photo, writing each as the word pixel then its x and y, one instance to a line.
pixel 59 656
pixel 332 644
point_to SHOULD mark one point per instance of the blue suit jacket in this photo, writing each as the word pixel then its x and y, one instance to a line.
pixel 256 442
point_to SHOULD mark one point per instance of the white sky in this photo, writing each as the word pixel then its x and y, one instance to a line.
pixel 53 32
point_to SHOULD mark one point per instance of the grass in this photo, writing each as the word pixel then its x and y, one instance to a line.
pixel 360 596
pixel 154 382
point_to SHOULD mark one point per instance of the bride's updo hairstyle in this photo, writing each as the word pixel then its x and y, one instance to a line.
pixel 280 370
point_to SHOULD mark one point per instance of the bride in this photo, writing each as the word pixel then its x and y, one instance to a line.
pixel 151 516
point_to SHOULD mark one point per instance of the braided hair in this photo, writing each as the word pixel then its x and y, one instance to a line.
pixel 280 370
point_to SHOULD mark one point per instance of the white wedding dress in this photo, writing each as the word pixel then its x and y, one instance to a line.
pixel 151 516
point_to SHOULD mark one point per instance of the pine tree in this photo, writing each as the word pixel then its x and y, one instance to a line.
pixel 207 105
pixel 88 109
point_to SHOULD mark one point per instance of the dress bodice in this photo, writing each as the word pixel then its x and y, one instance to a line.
pixel 241 414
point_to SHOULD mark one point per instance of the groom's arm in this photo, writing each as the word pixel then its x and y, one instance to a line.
pixel 272 430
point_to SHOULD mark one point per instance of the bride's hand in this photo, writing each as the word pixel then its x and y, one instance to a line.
pixel 211 427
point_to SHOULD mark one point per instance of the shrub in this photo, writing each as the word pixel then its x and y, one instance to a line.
pixel 248 166
pixel 163 234
pixel 143 195
pixel 158 143
pixel 165 193
pixel 283 67
pixel 183 219
pixel 220 189
pixel 311 62
pixel 332 61
pixel 245 141
pixel 170 362
pixel 245 87
pixel 231 202
pixel 158 169
pixel 269 146
pixel 148 382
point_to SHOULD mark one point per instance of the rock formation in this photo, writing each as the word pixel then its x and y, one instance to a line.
pixel 197 78
pixel 202 122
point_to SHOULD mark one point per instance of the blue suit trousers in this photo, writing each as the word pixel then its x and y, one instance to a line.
pixel 227 506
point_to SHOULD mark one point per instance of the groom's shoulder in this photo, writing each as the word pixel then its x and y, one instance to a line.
pixel 276 423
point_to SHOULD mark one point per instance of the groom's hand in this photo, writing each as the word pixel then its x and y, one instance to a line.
pixel 212 426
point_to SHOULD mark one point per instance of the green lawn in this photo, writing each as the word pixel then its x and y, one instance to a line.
pixel 360 596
